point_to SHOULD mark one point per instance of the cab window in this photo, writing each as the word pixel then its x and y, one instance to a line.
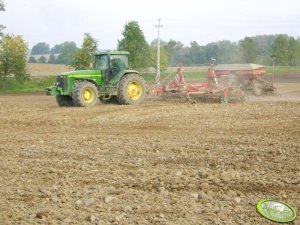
pixel 102 62
pixel 119 61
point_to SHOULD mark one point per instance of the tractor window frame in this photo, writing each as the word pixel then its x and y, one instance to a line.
pixel 102 62
pixel 123 59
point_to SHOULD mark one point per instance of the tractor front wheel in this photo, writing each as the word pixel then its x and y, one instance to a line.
pixel 64 100
pixel 132 89
pixel 85 94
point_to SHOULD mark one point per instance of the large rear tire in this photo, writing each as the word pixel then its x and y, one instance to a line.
pixel 85 94
pixel 64 100
pixel 132 89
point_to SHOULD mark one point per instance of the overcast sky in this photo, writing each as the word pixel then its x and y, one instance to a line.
pixel 204 21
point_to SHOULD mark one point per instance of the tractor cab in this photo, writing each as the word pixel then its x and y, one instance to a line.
pixel 111 64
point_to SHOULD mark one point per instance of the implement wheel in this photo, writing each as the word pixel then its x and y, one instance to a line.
pixel 85 94
pixel 132 89
pixel 64 100
pixel 257 89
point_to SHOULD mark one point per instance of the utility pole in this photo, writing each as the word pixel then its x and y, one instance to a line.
pixel 157 78
pixel 273 74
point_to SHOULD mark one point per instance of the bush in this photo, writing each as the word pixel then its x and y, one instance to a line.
pixel 42 59
pixel 32 59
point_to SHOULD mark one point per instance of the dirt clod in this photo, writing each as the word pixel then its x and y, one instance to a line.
pixel 108 199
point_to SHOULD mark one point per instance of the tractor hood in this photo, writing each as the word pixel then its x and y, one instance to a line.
pixel 83 72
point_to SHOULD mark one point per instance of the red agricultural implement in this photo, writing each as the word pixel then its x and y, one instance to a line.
pixel 248 77
pixel 214 90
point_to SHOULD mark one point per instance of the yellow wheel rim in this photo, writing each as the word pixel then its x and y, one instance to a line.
pixel 88 95
pixel 134 90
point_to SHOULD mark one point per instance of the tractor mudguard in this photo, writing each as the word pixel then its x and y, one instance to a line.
pixel 119 76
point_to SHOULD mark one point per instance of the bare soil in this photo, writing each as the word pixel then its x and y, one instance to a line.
pixel 162 162
pixel 44 69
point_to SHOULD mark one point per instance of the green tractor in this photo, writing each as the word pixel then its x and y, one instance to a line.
pixel 110 79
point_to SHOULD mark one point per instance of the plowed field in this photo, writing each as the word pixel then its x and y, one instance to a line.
pixel 162 162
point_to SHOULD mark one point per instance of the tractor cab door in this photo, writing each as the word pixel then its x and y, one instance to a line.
pixel 117 64
pixel 102 63
pixel 111 66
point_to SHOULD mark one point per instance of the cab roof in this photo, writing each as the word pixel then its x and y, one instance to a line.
pixel 113 53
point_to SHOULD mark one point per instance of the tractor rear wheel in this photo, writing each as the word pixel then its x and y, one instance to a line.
pixel 132 89
pixel 64 100
pixel 85 94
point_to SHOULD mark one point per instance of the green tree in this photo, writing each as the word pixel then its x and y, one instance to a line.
pixel 13 58
pixel 52 59
pixel 162 43
pixel 57 49
pixel 42 59
pixel 248 50
pixel 294 52
pixel 32 59
pixel 163 54
pixel 2 8
pixel 163 58
pixel 134 41
pixel 186 56
pixel 175 52
pixel 40 49
pixel 280 49
pixel 84 57
pixel 264 48
pixel 170 47
pixel 222 51
pixel 67 56
pixel 197 53
pixel 228 52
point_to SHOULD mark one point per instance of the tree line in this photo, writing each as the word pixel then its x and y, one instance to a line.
pixel 63 53
pixel 258 49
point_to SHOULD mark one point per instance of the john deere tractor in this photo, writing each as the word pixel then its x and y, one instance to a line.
pixel 110 79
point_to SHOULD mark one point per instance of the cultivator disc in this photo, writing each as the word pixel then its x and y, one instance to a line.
pixel 221 95
pixel 201 92
pixel 270 90
pixel 236 96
